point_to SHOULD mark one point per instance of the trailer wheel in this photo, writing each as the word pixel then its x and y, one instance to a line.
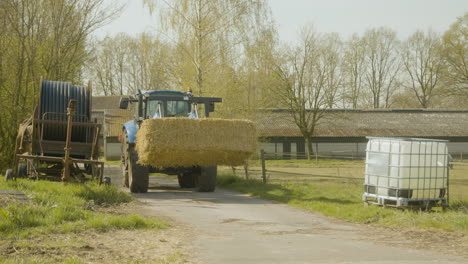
pixel 107 180
pixel 22 170
pixel 206 181
pixel 186 180
pixel 9 175
pixel 138 175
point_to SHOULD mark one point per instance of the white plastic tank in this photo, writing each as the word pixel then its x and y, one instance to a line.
pixel 406 168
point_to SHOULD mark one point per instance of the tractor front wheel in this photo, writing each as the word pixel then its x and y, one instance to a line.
pixel 206 180
pixel 138 175
pixel 135 176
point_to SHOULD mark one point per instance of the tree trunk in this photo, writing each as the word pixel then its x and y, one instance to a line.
pixel 309 148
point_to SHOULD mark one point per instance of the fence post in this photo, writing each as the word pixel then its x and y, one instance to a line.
pixel 262 157
pixel 246 169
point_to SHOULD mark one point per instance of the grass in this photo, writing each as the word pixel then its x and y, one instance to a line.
pixel 40 261
pixel 112 162
pixel 341 197
pixel 57 208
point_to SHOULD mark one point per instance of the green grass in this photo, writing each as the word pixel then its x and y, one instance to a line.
pixel 61 208
pixel 342 199
pixel 112 162
pixel 308 163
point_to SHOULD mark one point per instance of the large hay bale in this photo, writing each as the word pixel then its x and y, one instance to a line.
pixel 185 142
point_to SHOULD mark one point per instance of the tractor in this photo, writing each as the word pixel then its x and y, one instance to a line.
pixel 163 104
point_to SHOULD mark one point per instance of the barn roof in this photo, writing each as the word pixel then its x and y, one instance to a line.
pixel 106 102
pixel 362 123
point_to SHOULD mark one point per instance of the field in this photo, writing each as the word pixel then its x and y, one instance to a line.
pixel 335 187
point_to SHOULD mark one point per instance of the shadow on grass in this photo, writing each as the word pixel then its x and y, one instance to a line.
pixel 274 191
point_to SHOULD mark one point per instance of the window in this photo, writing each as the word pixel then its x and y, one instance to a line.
pixel 152 109
pixel 177 109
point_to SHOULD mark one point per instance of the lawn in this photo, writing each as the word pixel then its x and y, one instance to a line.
pixel 53 207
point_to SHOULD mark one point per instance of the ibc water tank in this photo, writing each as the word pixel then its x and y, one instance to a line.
pixel 406 171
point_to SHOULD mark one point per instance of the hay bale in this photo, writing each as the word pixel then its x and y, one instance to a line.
pixel 185 142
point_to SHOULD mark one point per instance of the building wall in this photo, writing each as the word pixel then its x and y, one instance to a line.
pixel 293 148
pixel 112 148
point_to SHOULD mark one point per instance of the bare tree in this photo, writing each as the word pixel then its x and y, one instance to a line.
pixel 305 86
pixel 331 55
pixel 123 64
pixel 354 68
pixel 382 65
pixel 423 65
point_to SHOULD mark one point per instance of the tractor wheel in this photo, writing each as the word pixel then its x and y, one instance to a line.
pixel 22 170
pixel 9 175
pixel 186 180
pixel 206 181
pixel 138 176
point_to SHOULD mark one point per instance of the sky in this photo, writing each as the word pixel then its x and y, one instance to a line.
pixel 342 16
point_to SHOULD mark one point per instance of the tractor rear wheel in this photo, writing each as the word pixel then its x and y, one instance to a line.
pixel 206 180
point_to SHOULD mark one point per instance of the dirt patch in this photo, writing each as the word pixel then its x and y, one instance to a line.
pixel 448 243
pixel 122 246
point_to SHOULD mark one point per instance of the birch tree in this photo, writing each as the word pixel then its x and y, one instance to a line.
pixel 207 32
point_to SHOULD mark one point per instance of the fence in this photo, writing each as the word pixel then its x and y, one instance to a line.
pixel 345 171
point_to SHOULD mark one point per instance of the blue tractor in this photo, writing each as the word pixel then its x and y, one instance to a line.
pixel 163 104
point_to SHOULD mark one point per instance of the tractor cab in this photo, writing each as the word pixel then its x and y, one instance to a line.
pixel 159 104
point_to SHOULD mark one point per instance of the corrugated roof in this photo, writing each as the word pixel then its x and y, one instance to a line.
pixel 362 123
pixel 106 102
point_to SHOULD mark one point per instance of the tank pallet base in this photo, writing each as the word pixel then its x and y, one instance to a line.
pixel 389 201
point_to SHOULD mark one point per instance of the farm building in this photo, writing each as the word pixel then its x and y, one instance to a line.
pixel 342 133
pixel 106 110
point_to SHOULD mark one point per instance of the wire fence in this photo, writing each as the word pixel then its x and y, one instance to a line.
pixel 341 171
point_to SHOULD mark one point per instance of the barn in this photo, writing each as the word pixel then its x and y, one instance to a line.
pixel 343 132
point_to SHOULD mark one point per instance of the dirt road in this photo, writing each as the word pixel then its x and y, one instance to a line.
pixel 233 228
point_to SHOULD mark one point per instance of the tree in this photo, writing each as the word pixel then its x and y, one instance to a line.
pixel 423 65
pixel 354 68
pixel 40 38
pixel 382 65
pixel 207 33
pixel 123 64
pixel 455 54
pixel 331 56
pixel 306 83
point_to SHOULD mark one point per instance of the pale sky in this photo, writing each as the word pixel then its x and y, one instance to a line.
pixel 342 16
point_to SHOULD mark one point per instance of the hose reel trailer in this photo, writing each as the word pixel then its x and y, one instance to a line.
pixel 59 137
